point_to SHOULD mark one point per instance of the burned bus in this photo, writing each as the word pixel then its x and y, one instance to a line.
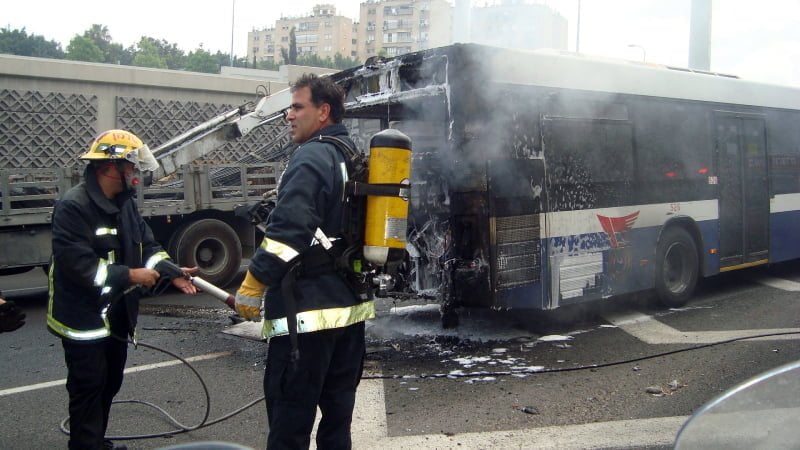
pixel 542 179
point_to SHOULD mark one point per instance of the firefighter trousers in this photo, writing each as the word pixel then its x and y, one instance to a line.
pixel 326 374
pixel 94 376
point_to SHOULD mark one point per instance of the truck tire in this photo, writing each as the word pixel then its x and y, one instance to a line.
pixel 677 267
pixel 212 246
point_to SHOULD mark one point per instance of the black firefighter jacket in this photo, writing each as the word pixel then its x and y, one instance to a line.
pixel 95 241
pixel 310 197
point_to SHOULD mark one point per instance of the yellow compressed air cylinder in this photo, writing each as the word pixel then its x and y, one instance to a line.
pixel 387 217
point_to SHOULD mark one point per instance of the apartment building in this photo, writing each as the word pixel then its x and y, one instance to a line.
pixel 402 26
pixel 519 25
pixel 322 33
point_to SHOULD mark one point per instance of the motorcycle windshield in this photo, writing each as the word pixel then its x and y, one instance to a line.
pixel 762 412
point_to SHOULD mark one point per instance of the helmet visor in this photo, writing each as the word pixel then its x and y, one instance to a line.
pixel 144 159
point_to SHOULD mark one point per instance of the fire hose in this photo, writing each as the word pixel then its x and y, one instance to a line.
pixel 173 271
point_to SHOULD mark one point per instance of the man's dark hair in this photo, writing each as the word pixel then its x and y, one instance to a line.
pixel 323 90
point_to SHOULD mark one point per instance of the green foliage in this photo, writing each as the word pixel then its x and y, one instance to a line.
pixel 224 59
pixel 19 42
pixel 342 62
pixel 147 55
pixel 113 53
pixel 84 49
pixel 290 55
pixel 202 61
pixel 173 57
pixel 97 45
pixel 116 54
pixel 267 65
pixel 338 61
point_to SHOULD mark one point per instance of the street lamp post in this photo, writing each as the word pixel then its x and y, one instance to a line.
pixel 233 17
pixel 644 52
pixel 578 30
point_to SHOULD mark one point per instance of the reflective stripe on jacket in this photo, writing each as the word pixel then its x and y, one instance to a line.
pixel 309 198
pixel 95 242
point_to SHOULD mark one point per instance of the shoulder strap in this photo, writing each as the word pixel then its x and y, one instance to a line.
pixel 355 161
pixel 357 168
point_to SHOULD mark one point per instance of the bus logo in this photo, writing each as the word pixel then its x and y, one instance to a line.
pixel 617 225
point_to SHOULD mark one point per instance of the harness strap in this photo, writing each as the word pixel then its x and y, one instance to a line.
pixel 290 304
pixel 380 190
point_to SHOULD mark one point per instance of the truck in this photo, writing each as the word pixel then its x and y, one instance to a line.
pixel 191 208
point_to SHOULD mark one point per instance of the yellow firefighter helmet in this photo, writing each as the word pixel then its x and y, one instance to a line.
pixel 115 145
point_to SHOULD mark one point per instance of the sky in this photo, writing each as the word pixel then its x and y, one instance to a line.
pixel 757 40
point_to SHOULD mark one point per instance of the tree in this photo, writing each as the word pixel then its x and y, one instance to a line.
pixel 116 54
pixel 266 64
pixel 84 49
pixel 19 42
pixel 314 60
pixel 170 54
pixel 113 53
pixel 147 55
pixel 202 61
pixel 341 62
pixel 290 55
pixel 99 35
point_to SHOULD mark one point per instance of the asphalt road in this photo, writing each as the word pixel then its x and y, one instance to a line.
pixel 446 388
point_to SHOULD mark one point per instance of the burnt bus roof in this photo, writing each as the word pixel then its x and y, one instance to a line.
pixel 430 72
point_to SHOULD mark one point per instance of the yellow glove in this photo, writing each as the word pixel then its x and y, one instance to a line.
pixel 249 297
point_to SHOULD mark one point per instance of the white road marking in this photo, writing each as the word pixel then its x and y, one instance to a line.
pixel 651 331
pixel 778 283
pixel 63 381
pixel 370 430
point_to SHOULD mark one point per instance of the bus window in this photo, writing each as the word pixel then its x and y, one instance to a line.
pixel 783 138
pixel 589 163
pixel 673 149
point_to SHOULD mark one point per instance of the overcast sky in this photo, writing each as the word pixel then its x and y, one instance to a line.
pixel 757 40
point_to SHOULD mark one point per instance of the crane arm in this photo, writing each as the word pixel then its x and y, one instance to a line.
pixel 216 132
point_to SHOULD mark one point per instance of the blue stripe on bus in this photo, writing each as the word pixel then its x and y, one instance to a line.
pixel 626 269
pixel 784 229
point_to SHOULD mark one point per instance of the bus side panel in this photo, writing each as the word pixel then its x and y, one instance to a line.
pixel 527 296
pixel 784 224
pixel 594 254
pixel 709 233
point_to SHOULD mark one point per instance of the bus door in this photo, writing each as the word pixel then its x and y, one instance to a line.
pixel 743 190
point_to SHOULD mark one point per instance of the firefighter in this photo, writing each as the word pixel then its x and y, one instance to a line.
pixel 104 256
pixel 323 366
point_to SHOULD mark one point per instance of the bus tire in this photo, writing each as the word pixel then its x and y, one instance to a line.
pixel 212 246
pixel 677 267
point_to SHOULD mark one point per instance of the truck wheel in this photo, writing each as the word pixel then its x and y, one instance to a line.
pixel 677 267
pixel 212 246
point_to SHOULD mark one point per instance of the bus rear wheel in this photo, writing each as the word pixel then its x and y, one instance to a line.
pixel 677 267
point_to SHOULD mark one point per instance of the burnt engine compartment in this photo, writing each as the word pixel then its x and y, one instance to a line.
pixel 448 224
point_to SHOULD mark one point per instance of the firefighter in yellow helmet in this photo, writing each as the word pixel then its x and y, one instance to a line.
pixel 102 248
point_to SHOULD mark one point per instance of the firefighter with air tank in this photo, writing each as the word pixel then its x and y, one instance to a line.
pixel 329 225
